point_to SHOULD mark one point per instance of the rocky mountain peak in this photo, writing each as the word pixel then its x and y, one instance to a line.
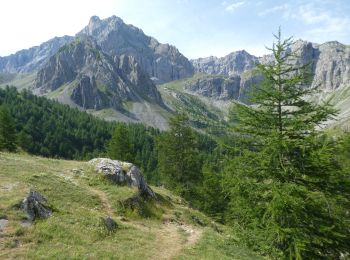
pixel 97 27
pixel 96 80
pixel 234 63
pixel 162 62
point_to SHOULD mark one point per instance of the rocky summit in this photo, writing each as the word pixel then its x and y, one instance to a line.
pixel 162 62
pixel 96 79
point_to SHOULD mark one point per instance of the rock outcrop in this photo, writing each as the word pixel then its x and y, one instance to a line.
pixel 233 64
pixel 222 88
pixel 123 173
pixel 96 80
pixel 162 62
pixel 329 64
pixel 34 58
pixel 35 206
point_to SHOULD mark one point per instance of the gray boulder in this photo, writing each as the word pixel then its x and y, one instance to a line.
pixel 123 173
pixel 35 206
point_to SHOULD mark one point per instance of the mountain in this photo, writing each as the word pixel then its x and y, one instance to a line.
pixel 162 62
pixel 96 80
pixel 32 59
pixel 219 82
pixel 233 64
pixel 110 68
pixel 329 62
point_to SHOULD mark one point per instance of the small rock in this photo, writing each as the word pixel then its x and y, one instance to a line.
pixel 26 223
pixel 35 206
pixel 110 224
pixel 3 223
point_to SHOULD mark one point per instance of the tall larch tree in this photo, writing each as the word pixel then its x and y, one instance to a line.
pixel 288 193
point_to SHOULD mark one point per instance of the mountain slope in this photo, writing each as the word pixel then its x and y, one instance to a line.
pixel 95 80
pixel 163 62
pixel 81 199
pixel 32 59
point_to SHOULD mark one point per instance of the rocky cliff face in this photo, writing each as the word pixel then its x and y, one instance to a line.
pixel 96 80
pixel 162 62
pixel 329 63
pixel 34 58
pixel 235 63
pixel 216 87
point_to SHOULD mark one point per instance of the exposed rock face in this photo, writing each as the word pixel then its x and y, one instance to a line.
pixel 216 87
pixel 35 206
pixel 329 64
pixel 34 58
pixel 332 65
pixel 123 173
pixel 162 62
pixel 233 64
pixel 97 80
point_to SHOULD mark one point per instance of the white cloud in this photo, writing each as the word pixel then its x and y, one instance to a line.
pixel 320 24
pixel 232 7
pixel 273 9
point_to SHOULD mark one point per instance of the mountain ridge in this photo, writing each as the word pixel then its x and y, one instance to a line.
pixel 120 72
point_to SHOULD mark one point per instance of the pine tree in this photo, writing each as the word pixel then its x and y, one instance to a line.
pixel 7 131
pixel 287 191
pixel 178 157
pixel 119 147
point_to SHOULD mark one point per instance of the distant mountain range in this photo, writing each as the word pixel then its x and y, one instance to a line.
pixel 116 71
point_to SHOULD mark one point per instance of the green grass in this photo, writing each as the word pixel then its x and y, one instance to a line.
pixel 20 80
pixel 203 112
pixel 80 198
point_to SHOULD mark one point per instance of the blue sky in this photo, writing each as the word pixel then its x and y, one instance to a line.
pixel 198 28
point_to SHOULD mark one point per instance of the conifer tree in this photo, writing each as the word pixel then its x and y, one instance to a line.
pixel 178 157
pixel 287 191
pixel 7 131
pixel 119 147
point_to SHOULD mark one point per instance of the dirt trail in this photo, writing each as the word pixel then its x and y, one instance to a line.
pixel 172 238
pixel 104 201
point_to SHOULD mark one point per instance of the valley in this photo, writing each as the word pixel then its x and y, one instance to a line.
pixel 114 145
